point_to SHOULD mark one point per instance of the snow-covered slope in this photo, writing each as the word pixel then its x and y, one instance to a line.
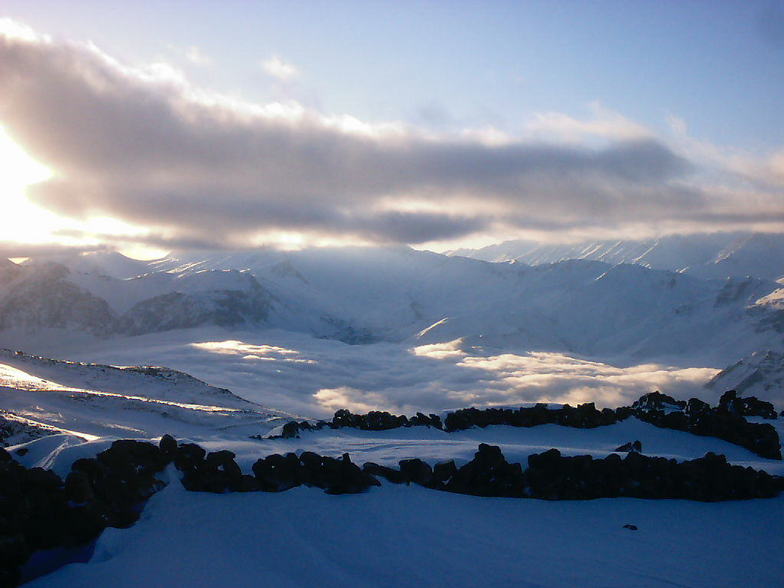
pixel 89 400
pixel 578 306
pixel 716 255
pixel 365 295
pixel 48 295
pixel 760 374
pixel 398 534
pixel 448 324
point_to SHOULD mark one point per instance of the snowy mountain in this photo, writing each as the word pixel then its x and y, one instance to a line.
pixel 580 306
pixel 715 255
pixel 429 331
pixel 49 295
pixel 760 374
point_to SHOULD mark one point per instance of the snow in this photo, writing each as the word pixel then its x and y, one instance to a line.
pixel 396 534
pixel 402 330
pixel 760 374
pixel 91 401
pixel 391 534
pixel 713 255
pixel 393 302
pixel 396 294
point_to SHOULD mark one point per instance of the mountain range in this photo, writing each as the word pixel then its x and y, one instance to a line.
pixel 609 305
pixel 712 255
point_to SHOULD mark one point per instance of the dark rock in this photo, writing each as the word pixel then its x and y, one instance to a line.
pixel 752 406
pixel 488 474
pixel 444 471
pixel 727 402
pixel 630 446
pixel 78 488
pixel 726 421
pixel 656 401
pixel 584 416
pixel 168 446
pixel 372 421
pixel 344 477
pixel 276 473
pixel 219 458
pixel 630 527
pixel 290 430
pixel 697 407
pixel 709 478
pixel 417 471
pixel 189 457
pixel 217 473
pixel 391 474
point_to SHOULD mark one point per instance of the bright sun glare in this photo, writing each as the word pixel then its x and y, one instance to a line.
pixel 21 219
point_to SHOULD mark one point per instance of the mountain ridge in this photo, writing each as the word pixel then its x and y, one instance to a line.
pixel 710 255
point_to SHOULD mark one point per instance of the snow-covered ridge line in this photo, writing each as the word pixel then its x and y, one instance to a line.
pixel 360 296
pixel 715 255
pixel 44 397
pixel 725 421
pixel 120 376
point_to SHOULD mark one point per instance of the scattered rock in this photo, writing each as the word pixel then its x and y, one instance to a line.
pixel 751 406
pixel 656 401
pixel 630 446
pixel 585 416
pixel 726 421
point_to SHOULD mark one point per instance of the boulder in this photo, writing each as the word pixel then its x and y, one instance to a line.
pixel 168 447
pixel 635 446
pixel 417 471
pixel 391 474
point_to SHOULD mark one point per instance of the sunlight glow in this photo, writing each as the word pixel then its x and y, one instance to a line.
pixel 21 219
pixel 252 352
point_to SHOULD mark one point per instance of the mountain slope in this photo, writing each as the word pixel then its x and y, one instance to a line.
pixel 716 255
pixel 760 374
pixel 89 400
pixel 398 294
pixel 48 295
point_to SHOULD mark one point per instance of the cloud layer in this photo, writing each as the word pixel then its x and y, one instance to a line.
pixel 314 377
pixel 144 146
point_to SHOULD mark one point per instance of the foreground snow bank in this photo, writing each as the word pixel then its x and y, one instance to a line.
pixel 412 536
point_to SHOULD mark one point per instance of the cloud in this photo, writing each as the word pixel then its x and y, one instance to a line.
pixel 12 249
pixel 144 146
pixel 196 56
pixel 333 399
pixel 277 68
pixel 603 123
pixel 314 377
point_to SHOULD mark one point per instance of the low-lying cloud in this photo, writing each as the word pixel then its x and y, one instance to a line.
pixel 314 377
pixel 144 146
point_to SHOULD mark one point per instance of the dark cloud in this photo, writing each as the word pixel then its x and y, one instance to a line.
pixel 150 150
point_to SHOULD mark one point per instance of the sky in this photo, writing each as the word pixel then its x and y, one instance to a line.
pixel 163 125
